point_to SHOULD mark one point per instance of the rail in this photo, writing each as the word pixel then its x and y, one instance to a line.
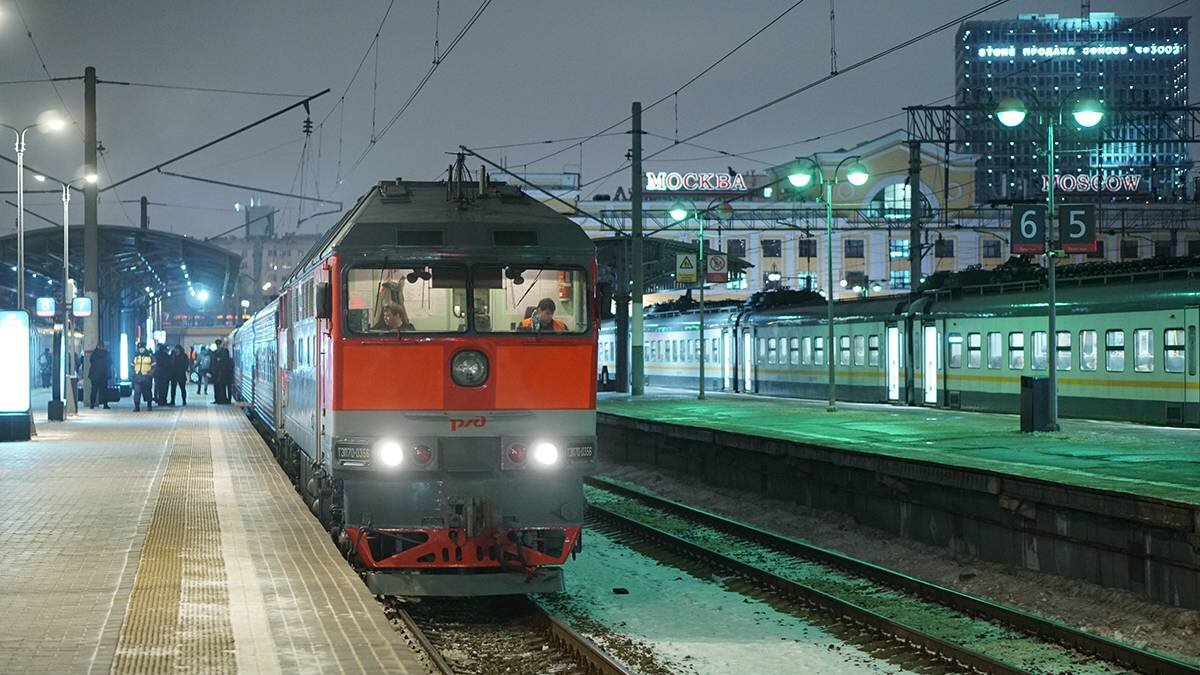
pixel 1045 629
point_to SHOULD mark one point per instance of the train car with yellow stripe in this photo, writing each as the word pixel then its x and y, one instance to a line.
pixel 1125 346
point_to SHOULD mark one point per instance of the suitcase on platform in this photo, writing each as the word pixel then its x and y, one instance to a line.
pixel 112 394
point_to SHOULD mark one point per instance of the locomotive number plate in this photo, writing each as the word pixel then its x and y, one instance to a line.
pixel 358 453
pixel 580 453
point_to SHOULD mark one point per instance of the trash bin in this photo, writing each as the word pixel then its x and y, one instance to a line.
pixel 1035 404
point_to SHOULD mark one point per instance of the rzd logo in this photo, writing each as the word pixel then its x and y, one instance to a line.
pixel 457 423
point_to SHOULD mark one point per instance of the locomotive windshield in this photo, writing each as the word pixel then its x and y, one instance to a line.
pixel 518 299
pixel 418 299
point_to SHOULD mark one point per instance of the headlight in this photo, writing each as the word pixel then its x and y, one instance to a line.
pixel 469 368
pixel 545 453
pixel 390 452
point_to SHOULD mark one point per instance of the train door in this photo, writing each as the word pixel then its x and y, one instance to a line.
pixel 893 363
pixel 929 372
pixel 1191 395
pixel 726 360
pixel 748 361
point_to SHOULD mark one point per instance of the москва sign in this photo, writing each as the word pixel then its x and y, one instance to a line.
pixel 674 181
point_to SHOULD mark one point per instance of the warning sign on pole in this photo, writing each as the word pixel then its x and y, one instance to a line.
pixel 685 268
pixel 717 264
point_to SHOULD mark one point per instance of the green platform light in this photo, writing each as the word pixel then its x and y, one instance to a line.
pixel 857 174
pixel 1088 113
pixel 800 176
pixel 678 213
pixel 1011 112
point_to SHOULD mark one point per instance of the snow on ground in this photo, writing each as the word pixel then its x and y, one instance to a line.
pixel 695 625
pixel 1113 613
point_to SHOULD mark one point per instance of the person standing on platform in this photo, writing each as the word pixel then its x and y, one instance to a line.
pixel 45 361
pixel 162 374
pixel 222 373
pixel 203 362
pixel 99 370
pixel 143 369
pixel 179 373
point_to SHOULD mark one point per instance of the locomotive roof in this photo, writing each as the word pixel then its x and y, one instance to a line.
pixel 428 217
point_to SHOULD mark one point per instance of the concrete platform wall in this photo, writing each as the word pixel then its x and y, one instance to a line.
pixel 1146 546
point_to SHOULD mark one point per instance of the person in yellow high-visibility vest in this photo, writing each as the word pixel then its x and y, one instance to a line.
pixel 143 366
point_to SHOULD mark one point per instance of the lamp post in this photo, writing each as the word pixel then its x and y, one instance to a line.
pixel 800 178
pixel 679 213
pixel 1087 113
pixel 91 179
pixel 52 124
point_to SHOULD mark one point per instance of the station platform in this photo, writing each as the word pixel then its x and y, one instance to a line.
pixel 171 541
pixel 1116 504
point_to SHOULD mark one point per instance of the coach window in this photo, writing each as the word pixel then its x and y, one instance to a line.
pixel 860 350
pixel 819 351
pixel 1039 359
pixel 956 350
pixel 1062 351
pixel 1143 350
pixel 806 351
pixel 762 350
pixel 974 350
pixel 772 351
pixel 1016 351
pixel 1114 351
pixel 795 351
pixel 873 350
pixel 418 299
pixel 844 344
pixel 1087 350
pixel 515 299
pixel 1191 353
pixel 1173 350
pixel 783 351
pixel 995 350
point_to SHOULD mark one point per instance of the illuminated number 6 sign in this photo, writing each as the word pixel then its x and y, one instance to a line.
pixel 1028 231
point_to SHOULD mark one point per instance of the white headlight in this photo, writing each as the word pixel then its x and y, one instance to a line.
pixel 390 452
pixel 545 453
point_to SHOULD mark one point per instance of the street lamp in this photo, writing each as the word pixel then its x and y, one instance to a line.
pixel 90 179
pixel 801 176
pixel 680 213
pixel 50 123
pixel 1087 113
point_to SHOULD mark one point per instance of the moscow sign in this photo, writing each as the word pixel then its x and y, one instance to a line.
pixel 1095 182
pixel 674 181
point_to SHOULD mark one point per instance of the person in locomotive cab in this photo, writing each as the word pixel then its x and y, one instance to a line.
pixel 143 367
pixel 543 319
pixel 395 318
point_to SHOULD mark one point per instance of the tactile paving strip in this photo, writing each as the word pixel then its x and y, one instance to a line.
pixel 178 614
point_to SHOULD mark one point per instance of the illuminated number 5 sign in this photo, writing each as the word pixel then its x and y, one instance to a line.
pixel 1028 231
pixel 1077 228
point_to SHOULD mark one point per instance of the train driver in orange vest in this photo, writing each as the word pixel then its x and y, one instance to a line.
pixel 543 319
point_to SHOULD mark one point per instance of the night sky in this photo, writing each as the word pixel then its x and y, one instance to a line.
pixel 527 70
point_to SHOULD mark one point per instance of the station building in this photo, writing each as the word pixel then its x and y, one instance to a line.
pixel 781 232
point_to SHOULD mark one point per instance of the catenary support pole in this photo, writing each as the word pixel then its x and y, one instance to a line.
pixel 91 223
pixel 638 364
pixel 910 331
pixel 1052 305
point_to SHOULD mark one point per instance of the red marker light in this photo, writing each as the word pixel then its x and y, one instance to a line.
pixel 422 454
pixel 516 453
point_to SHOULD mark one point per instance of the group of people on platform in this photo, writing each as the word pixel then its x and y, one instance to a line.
pixel 158 376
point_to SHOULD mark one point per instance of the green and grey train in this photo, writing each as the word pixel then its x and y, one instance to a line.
pixel 1125 348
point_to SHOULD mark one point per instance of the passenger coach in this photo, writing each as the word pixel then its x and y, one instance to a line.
pixel 428 376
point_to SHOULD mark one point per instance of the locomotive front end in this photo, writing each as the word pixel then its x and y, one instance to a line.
pixel 463 398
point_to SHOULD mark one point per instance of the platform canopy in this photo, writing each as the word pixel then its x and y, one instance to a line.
pixel 131 260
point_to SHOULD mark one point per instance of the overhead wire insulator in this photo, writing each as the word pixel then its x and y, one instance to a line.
pixel 308 126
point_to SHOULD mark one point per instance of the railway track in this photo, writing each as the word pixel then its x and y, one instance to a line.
pixel 959 629
pixel 513 634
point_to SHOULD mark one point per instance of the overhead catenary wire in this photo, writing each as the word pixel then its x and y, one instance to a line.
pixel 49 78
pixel 420 85
pixel 884 53
pixel 211 90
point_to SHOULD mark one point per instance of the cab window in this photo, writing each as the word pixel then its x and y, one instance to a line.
pixel 521 299
pixel 406 299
